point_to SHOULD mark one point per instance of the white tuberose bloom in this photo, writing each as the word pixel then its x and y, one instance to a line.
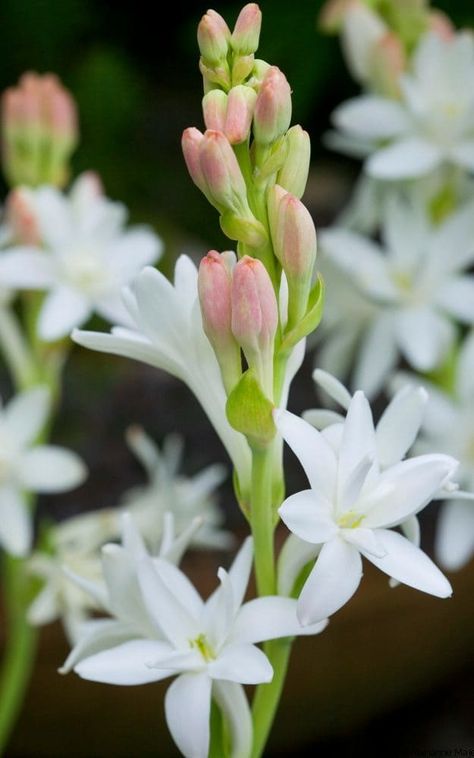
pixel 433 122
pixel 167 333
pixel 416 285
pixel 164 628
pixel 352 505
pixel 83 259
pixel 28 467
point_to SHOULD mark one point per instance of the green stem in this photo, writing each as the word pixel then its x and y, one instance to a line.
pixel 15 351
pixel 20 648
pixel 261 520
pixel 267 696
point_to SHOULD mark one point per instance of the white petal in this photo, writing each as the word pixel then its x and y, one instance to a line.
pixel 334 388
pixel 45 607
pixel 322 418
pixel 269 618
pixel 24 268
pixel 127 344
pixel 232 700
pixel 404 489
pixel 371 117
pixel 62 310
pixel 455 534
pixel 48 468
pixel 399 425
pixel 456 235
pixel 15 522
pixel 410 565
pixel 101 634
pixel 243 663
pixel 456 296
pixel 309 515
pixel 406 159
pixel 312 450
pixel 187 709
pixel 125 664
pixel 134 249
pixel 424 336
pixel 332 582
pixel 364 539
pixel 465 376
pixel 463 154
pixel 377 357
pixel 124 599
pixel 358 445
pixel 26 414
pixel 294 556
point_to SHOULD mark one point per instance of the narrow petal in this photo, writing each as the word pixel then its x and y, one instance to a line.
pixel 24 268
pixel 408 564
pixel 312 450
pixel 15 522
pixel 334 388
pixel 269 618
pixel 309 515
pixel 187 709
pixel 371 117
pixel 101 634
pixel 455 535
pixel 26 414
pixel 456 296
pixel 134 249
pixel 125 664
pixel 399 425
pixel 232 700
pixel 365 539
pixel 465 377
pixel 358 443
pixel 294 556
pixel 377 357
pixel 332 582
pixel 424 336
pixel 404 489
pixel 242 663
pixel 406 159
pixel 48 468
pixel 321 418
pixel 62 310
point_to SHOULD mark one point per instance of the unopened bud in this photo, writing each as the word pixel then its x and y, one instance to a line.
pixel 213 37
pixel 361 30
pixel 39 123
pixel 241 69
pixel 255 317
pixel 260 69
pixel 388 62
pixel 272 108
pixel 294 243
pixel 293 175
pixel 240 109
pixel 22 217
pixel 441 25
pixel 214 285
pixel 245 36
pixel 222 173
pixel 190 143
pixel 214 108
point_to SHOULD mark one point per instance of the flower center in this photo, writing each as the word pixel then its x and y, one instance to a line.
pixel 86 272
pixel 202 645
pixel 350 520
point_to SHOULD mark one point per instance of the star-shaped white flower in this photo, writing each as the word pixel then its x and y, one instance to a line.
pixel 163 628
pixel 432 124
pixel 27 467
pixel 83 259
pixel 416 285
pixel 352 505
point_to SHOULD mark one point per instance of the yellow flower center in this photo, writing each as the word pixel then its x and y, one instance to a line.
pixel 350 520
pixel 201 644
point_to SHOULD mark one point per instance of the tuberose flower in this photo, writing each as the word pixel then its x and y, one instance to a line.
pixel 86 256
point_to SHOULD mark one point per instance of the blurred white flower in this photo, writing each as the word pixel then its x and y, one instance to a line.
pixel 82 255
pixel 433 122
pixel 163 628
pixel 360 489
pixel 26 467
pixel 168 334
pixel 416 287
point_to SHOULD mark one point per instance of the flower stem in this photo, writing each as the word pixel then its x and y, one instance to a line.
pixel 20 648
pixel 267 696
pixel 261 520
pixel 16 351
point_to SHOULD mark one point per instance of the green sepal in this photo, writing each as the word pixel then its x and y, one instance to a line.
pixel 249 411
pixel 310 320
pixel 247 230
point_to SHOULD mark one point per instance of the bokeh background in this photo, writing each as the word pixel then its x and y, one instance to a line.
pixel 393 674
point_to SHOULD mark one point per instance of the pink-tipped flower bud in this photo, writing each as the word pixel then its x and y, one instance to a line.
pixel 222 173
pixel 213 36
pixel 294 243
pixel 361 30
pixel 246 34
pixel 22 217
pixel 387 63
pixel 273 107
pixel 332 15
pixel 255 317
pixel 293 175
pixel 240 110
pixel 441 25
pixel 214 109
pixel 190 143
pixel 39 123
pixel 214 286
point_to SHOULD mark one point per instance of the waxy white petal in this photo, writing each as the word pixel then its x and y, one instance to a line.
pixel 125 664
pixel 334 388
pixel 16 529
pixel 187 709
pixel 456 296
pixel 48 468
pixel 294 556
pixel 399 425
pixel 371 117
pixel 424 336
pixel 232 700
pixel 309 515
pixel 242 663
pixel 407 158
pixel 267 618
pixel 378 355
pixel 455 534
pixel 63 309
pixel 26 268
pixel 26 414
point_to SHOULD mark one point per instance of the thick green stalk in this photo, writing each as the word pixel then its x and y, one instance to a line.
pixel 20 647
pixel 261 520
pixel 267 696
